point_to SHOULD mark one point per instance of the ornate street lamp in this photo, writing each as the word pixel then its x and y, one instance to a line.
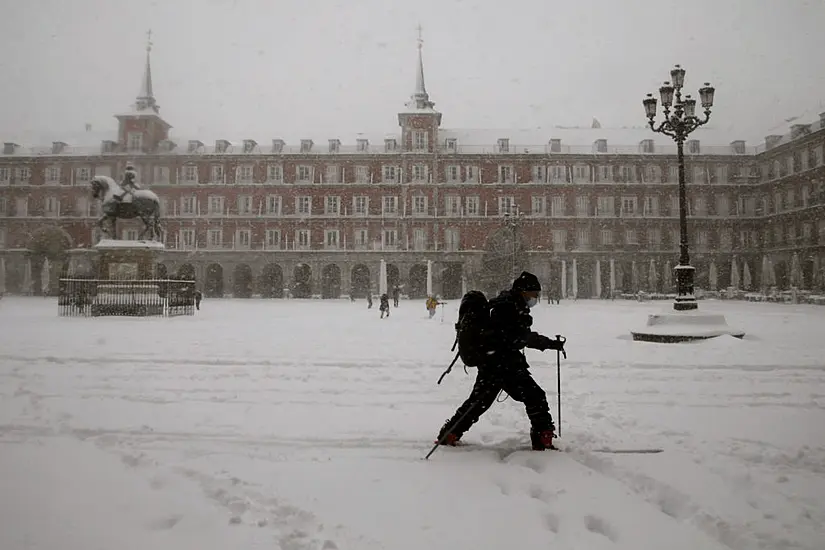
pixel 686 323
pixel 679 121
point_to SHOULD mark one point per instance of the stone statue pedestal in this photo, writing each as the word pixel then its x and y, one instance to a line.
pixel 135 260
pixel 83 263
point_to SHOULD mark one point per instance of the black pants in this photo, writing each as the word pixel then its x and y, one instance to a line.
pixel 518 383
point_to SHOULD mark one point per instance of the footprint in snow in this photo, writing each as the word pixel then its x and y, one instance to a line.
pixel 166 523
pixel 552 521
pixel 600 526
pixel 540 493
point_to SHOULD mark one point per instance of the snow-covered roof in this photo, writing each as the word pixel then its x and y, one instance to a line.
pixel 349 144
pixel 76 143
pixel 581 140
pixel 540 140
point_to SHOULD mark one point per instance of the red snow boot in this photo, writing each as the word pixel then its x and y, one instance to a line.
pixel 542 440
pixel 451 439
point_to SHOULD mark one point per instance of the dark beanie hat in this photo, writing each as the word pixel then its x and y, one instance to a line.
pixel 527 282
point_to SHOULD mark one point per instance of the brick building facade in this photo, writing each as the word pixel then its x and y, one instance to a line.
pixel 597 207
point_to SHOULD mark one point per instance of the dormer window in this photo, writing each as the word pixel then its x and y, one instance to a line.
pixel 693 146
pixel 334 145
pixel 249 145
pixel 306 145
pixel 390 145
pixel 504 145
pixel 363 145
pixel 600 146
pixel 646 146
pixel 108 146
pixel 451 144
pixel 772 141
pixel 799 130
pixel 167 145
pixel 738 147
pixel 555 146
pixel 221 146
pixel 194 146
pixel 58 147
pixel 278 146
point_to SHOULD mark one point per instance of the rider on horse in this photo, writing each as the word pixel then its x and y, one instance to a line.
pixel 128 184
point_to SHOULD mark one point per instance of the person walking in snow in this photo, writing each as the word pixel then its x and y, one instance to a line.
pixel 506 368
pixel 384 306
pixel 396 295
pixel 431 304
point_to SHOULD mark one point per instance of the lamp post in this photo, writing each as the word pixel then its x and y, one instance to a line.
pixel 512 219
pixel 679 121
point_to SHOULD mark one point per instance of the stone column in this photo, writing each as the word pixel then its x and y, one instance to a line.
pixel 564 278
pixel 316 279
pixel 612 277
pixel 575 276
pixel 346 279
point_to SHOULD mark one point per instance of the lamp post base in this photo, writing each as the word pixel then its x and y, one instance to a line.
pixel 685 326
pixel 685 304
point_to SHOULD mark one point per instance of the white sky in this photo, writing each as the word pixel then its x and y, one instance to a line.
pixel 332 68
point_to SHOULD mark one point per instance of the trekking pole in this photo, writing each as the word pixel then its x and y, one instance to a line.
pixel 562 339
pixel 448 432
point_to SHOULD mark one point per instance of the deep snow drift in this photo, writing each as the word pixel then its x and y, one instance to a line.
pixel 302 425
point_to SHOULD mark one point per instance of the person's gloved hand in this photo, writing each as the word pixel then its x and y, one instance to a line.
pixel 556 345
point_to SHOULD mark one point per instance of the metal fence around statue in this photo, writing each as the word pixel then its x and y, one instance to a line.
pixel 86 297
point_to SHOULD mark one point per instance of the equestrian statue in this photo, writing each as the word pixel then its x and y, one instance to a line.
pixel 127 201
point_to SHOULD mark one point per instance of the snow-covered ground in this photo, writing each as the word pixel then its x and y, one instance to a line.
pixel 302 425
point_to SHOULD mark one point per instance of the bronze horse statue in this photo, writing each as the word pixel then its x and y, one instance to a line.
pixel 141 203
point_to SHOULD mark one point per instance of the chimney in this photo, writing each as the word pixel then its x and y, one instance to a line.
pixel 821 120
pixel 772 141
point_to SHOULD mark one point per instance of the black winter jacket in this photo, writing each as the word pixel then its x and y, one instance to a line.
pixel 510 324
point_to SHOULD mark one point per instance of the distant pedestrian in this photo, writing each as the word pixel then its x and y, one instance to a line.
pixel 384 307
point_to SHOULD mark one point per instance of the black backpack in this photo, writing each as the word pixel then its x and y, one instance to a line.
pixel 472 331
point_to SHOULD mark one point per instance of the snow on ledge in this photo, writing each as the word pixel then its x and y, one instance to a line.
pixel 115 243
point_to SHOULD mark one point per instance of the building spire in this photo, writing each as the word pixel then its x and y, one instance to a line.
pixel 420 99
pixel 146 97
